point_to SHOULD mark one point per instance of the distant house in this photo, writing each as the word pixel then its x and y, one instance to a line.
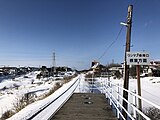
pixel 155 63
pixel 154 68
pixel 7 71
pixel 97 68
pixel 12 71
pixel 113 70
pixel 44 71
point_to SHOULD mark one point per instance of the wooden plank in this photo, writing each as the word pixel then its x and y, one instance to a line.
pixel 85 106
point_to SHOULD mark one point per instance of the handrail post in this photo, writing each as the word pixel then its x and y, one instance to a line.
pixel 106 89
pixel 111 91
pixel 79 84
pixel 118 92
pixel 118 101
pixel 101 85
pixel 135 104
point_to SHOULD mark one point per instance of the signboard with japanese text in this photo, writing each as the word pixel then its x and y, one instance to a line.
pixel 137 58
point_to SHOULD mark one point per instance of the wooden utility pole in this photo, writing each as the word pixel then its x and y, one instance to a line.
pixel 139 86
pixel 126 70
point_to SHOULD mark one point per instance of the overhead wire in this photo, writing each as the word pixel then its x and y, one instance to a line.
pixel 103 54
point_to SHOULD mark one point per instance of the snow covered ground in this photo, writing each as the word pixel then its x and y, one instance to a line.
pixel 31 109
pixel 11 89
pixel 150 88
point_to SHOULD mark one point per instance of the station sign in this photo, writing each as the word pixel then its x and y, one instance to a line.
pixel 137 58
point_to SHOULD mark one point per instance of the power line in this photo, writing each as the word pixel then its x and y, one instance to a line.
pixel 135 2
pixel 111 44
pixel 103 54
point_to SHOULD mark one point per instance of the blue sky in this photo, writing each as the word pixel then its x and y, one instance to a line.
pixel 79 31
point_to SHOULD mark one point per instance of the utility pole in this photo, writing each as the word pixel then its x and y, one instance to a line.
pixel 126 69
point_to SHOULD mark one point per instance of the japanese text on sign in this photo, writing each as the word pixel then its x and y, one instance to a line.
pixel 137 58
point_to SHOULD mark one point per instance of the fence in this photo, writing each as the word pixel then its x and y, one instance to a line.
pixel 99 85
pixel 61 96
pixel 114 95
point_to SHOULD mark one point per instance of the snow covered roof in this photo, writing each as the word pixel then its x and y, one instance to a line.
pixel 95 66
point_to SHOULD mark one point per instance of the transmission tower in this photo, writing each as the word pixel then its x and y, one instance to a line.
pixel 54 63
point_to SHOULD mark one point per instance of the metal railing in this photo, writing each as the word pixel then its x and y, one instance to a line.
pixel 47 111
pixel 113 93
pixel 92 85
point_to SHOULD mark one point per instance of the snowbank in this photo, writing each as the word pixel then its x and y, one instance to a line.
pixel 31 109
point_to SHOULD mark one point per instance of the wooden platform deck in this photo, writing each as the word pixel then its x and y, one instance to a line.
pixel 85 106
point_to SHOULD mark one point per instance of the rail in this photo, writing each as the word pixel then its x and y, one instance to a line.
pixel 113 93
pixel 100 85
pixel 47 111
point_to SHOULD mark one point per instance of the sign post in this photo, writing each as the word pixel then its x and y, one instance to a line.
pixel 139 87
pixel 138 59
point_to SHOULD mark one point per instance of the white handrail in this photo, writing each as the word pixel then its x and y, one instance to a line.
pixel 58 102
pixel 113 97
pixel 109 85
pixel 149 102
pixel 141 113
pixel 111 90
